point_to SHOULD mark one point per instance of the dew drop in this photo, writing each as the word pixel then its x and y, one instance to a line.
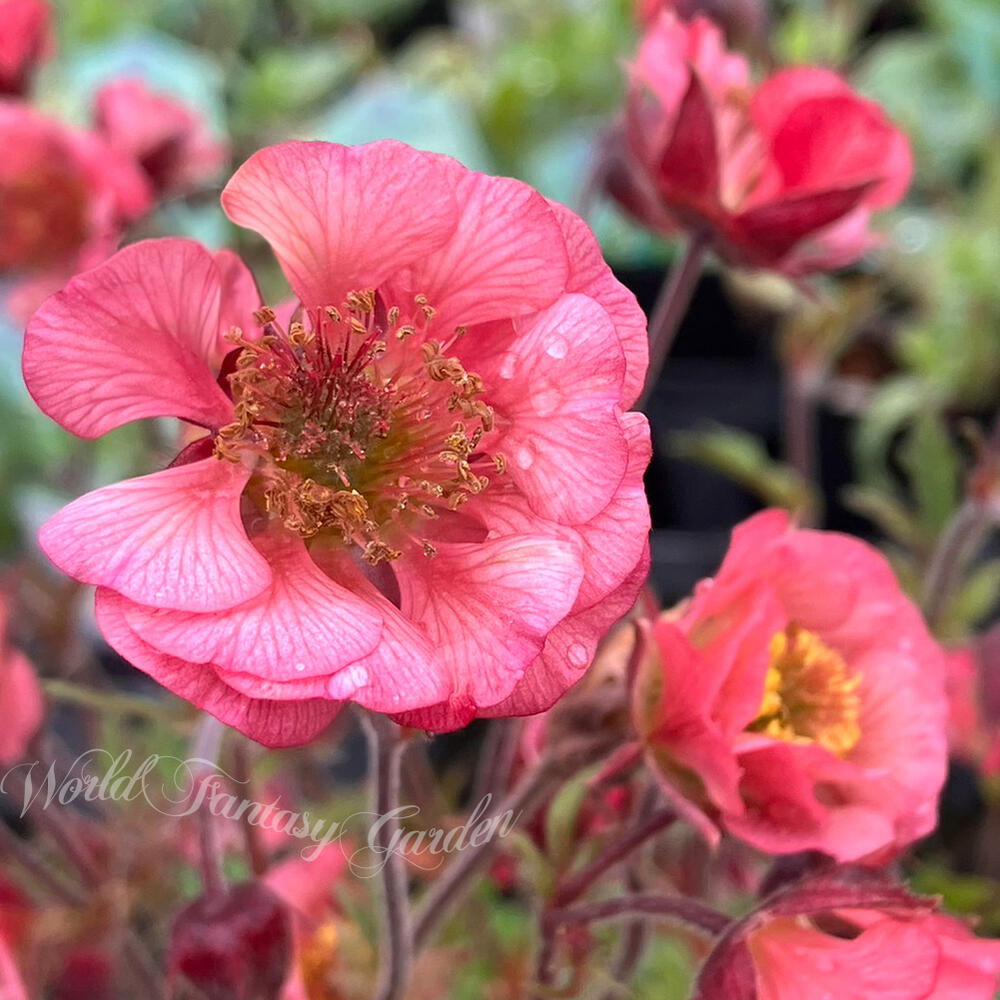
pixel 557 347
pixel 347 682
pixel 300 667
pixel 507 365
pixel 545 401
pixel 524 458
pixel 577 654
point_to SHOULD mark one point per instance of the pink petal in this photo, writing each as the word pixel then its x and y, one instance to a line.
pixel 344 218
pixel 891 960
pixel 134 337
pixel 404 670
pixel 779 95
pixel 21 703
pixel 507 256
pixel 590 275
pixel 488 607
pixel 569 650
pixel 557 390
pixel 273 723
pixel 240 298
pixel 170 540
pixel 303 625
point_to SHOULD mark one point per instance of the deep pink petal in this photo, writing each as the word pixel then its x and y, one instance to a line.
pixel 344 218
pixel 557 388
pixel 506 257
pixel 134 337
pixel 170 540
pixel 302 626
pixel 240 298
pixel 488 607
pixel 273 723
pixel 782 92
pixel 770 231
pixel 688 169
pixel 590 275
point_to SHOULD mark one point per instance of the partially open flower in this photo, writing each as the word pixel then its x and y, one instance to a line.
pixel 64 199
pixel 420 492
pixel 784 176
pixel 798 698
pixel 844 936
pixel 24 42
pixel 169 141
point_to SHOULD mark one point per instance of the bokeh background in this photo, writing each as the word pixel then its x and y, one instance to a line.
pixel 904 347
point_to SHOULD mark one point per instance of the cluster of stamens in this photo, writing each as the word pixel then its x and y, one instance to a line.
pixel 810 696
pixel 358 425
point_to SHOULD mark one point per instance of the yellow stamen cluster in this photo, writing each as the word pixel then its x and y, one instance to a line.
pixel 810 696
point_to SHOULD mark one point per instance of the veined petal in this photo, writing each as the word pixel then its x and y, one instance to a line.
pixel 488 607
pixel 273 723
pixel 134 337
pixel 343 218
pixel 506 257
pixel 173 539
pixel 303 625
pixel 557 394
pixel 590 275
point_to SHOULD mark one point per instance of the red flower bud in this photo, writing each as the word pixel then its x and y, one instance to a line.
pixel 236 945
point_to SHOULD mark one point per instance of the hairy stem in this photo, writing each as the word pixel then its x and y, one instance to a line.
pixel 396 957
pixel 671 305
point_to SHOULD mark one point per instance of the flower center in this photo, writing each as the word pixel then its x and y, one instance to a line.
pixel 809 694
pixel 361 425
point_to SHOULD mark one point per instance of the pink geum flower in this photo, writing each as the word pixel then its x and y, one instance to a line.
pixel 783 176
pixel 421 492
pixel 168 140
pixel 21 702
pixel 797 700
pixel 64 199
pixel 849 935
pixel 24 42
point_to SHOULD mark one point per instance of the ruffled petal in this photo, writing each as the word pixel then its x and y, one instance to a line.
pixel 489 607
pixel 343 218
pixel 302 626
pixel 556 386
pixel 590 275
pixel 570 649
pixel 507 256
pixel 134 337
pixel 170 540
pixel 273 723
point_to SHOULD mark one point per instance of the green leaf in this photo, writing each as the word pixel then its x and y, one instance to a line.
pixel 743 458
pixel 890 515
pixel 976 598
pixel 932 465
pixel 562 819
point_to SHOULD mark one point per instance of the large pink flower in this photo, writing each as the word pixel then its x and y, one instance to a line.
pixel 798 698
pixel 64 198
pixel 24 40
pixel 421 493
pixel 170 142
pixel 785 175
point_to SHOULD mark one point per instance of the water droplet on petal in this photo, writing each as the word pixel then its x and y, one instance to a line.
pixel 507 365
pixel 524 458
pixel 300 667
pixel 347 682
pixel 545 401
pixel 557 348
pixel 577 654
